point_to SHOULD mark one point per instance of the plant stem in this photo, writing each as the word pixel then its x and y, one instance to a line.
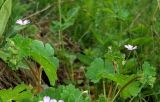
pixel 60 22
pixel 72 73
pixel 40 74
pixel 110 93
pixel 38 12
pixel 104 90
pixel 127 57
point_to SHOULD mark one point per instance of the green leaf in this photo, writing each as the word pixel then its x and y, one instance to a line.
pixel 44 55
pixel 149 73
pixel 131 86
pixel 5 13
pixel 69 19
pixel 14 52
pixel 19 93
pixel 140 41
pixel 39 52
pixel 131 90
pixel 102 98
pixel 4 55
pixel 67 93
pixel 100 38
pixel 47 92
pixel 130 66
pixel 84 58
pixel 98 68
pixel 128 84
pixel 148 69
pixel 1 2
pixel 71 94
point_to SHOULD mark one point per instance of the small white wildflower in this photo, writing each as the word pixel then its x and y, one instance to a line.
pixel 130 47
pixel 46 99
pixel 60 101
pixel 53 100
pixel 22 22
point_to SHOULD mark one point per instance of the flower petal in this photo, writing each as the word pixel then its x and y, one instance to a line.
pixel 126 46
pixel 19 21
pixel 26 22
pixel 60 101
pixel 130 47
pixel 53 100
pixel 22 22
pixel 46 99
pixel 134 47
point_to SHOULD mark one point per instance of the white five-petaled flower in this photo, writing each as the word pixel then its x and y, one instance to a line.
pixel 47 99
pixel 130 47
pixel 22 22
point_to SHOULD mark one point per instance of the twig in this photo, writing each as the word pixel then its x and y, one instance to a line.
pixel 38 12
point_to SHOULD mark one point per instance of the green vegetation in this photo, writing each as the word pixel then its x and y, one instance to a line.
pixel 79 50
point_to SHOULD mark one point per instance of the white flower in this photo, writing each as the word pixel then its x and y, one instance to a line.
pixel 60 101
pixel 130 47
pixel 22 22
pixel 53 100
pixel 47 99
